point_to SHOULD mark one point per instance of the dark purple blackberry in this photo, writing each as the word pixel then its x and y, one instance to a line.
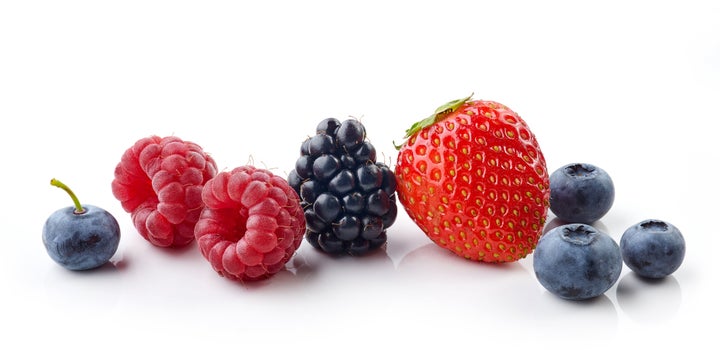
pixel 348 197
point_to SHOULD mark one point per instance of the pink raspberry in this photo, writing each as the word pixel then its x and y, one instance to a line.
pixel 251 225
pixel 159 182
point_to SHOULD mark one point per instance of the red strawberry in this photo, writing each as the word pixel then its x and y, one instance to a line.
pixel 473 178
pixel 251 225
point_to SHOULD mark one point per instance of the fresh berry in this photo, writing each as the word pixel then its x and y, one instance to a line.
pixel 581 193
pixel 348 197
pixel 473 178
pixel 251 225
pixel 653 248
pixel 159 180
pixel 577 262
pixel 80 237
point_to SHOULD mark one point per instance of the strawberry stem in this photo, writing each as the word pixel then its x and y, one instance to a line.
pixel 439 114
pixel 78 208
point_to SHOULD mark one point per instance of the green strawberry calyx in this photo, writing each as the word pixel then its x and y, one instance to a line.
pixel 440 113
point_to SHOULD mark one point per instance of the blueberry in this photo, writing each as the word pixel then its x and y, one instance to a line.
pixel 653 248
pixel 581 193
pixel 82 237
pixel 577 262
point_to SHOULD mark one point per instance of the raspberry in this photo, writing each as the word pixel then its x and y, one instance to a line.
pixel 159 181
pixel 251 225
pixel 347 196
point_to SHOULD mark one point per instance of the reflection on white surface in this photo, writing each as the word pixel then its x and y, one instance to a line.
pixel 649 300
pixel 411 282
pixel 552 312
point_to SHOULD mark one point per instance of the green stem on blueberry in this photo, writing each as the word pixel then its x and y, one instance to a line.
pixel 440 112
pixel 78 207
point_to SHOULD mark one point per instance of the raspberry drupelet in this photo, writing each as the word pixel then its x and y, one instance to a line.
pixel 159 181
pixel 252 223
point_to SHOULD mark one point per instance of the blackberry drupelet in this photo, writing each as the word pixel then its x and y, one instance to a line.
pixel 347 195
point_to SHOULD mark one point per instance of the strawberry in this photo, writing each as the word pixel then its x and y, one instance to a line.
pixel 473 178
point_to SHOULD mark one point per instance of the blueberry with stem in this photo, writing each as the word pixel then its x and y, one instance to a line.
pixel 80 237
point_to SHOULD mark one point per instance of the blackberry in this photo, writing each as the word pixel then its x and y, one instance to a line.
pixel 347 195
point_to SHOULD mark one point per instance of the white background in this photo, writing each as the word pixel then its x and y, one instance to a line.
pixel 630 86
